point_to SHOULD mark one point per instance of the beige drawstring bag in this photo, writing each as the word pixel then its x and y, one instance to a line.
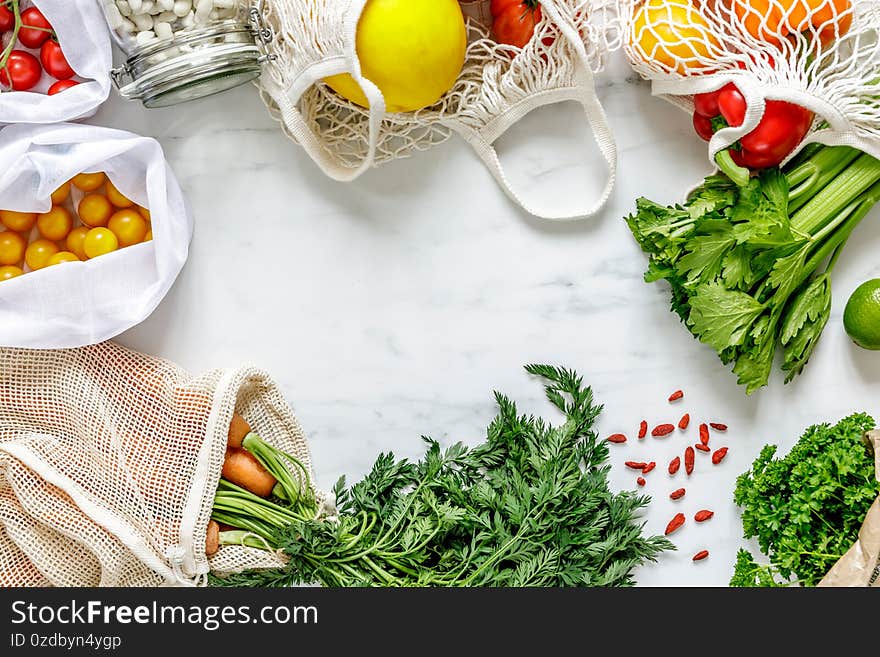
pixel 109 461
pixel 860 566
pixel 308 40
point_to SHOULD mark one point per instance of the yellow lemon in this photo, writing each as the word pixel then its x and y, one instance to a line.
pixel 413 50
pixel 673 33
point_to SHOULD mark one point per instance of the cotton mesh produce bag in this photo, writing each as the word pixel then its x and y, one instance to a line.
pixel 823 55
pixel 85 41
pixel 308 40
pixel 109 461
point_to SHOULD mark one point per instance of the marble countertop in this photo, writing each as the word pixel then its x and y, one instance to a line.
pixel 393 306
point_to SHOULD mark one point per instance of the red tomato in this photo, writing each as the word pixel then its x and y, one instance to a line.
pixel 55 62
pixel 61 85
pixel 23 68
pixel 34 38
pixel 515 20
pixel 7 19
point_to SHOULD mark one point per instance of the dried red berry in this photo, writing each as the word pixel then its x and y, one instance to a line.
pixel 678 493
pixel 719 455
pixel 643 429
pixel 702 554
pixel 635 465
pixel 702 447
pixel 674 465
pixel 675 396
pixel 616 438
pixel 704 515
pixel 663 430
pixel 650 466
pixel 718 426
pixel 689 455
pixel 704 434
pixel 640 481
pixel 684 421
pixel 676 522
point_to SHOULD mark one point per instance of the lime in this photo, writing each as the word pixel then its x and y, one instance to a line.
pixel 861 318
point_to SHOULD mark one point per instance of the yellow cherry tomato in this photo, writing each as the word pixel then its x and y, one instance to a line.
pixel 12 246
pixel 129 227
pixel 18 221
pixel 95 210
pixel 9 272
pixel 75 242
pixel 116 197
pixel 674 35
pixel 89 182
pixel 39 252
pixel 61 194
pixel 144 213
pixel 149 236
pixel 62 257
pixel 100 241
pixel 55 224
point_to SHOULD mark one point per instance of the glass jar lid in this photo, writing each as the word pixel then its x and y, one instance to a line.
pixel 193 64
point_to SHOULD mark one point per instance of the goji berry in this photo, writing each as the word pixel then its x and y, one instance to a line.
pixel 684 421
pixel 702 554
pixel 675 396
pixel 643 429
pixel 704 434
pixel 640 481
pixel 663 430
pixel 648 467
pixel 677 494
pixel 676 522
pixel 674 465
pixel 719 455
pixel 616 438
pixel 718 426
pixel 689 455
pixel 704 515
pixel 702 447
pixel 635 465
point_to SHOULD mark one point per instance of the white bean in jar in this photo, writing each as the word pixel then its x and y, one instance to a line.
pixel 147 21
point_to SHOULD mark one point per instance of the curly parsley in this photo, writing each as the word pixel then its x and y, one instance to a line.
pixel 806 509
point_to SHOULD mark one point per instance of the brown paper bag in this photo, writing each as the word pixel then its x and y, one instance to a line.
pixel 860 566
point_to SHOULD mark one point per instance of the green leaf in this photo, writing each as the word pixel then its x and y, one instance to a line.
pixel 806 318
pixel 705 253
pixel 722 318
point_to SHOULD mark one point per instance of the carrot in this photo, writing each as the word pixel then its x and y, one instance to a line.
pixel 212 540
pixel 238 429
pixel 241 468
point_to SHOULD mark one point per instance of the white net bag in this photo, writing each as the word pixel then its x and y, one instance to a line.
pixel 109 461
pixel 85 42
pixel 822 55
pixel 309 40
pixel 81 303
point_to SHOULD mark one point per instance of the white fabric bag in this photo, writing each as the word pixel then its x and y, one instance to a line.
pixel 308 40
pixel 827 61
pixel 83 303
pixel 110 460
pixel 85 40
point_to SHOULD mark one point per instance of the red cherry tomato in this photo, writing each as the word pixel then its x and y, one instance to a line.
pixel 515 20
pixel 55 62
pixel 24 70
pixel 61 85
pixel 34 38
pixel 7 19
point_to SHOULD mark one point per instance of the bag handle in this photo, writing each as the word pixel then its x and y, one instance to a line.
pixel 482 141
pixel 306 136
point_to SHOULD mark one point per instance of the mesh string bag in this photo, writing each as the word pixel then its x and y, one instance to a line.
pixel 109 460
pixel 308 40
pixel 823 55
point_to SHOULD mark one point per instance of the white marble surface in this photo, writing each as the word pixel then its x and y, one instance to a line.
pixel 391 307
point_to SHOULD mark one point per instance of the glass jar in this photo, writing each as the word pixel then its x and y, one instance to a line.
pixel 179 50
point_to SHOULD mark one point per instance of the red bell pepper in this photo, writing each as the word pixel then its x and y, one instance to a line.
pixel 782 128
